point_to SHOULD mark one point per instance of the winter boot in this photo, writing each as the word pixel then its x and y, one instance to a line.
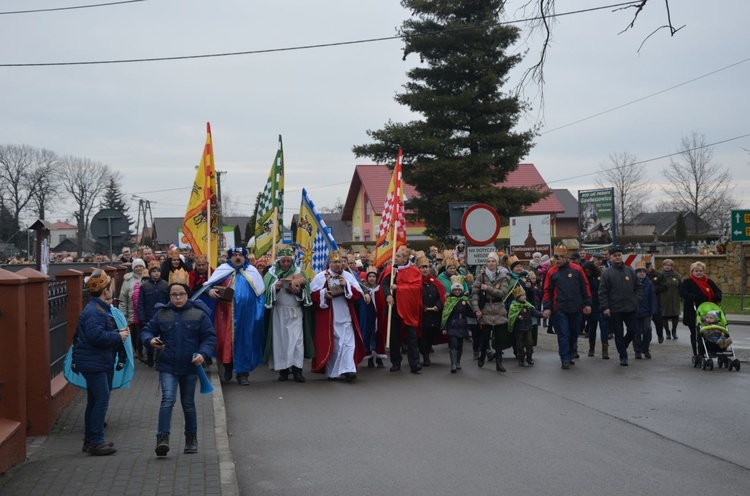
pixel 499 363
pixel 458 359
pixel 283 375
pixel 162 444
pixel 592 345
pixel 521 363
pixel 453 354
pixel 191 443
pixel 605 351
pixel 529 361
pixel 297 373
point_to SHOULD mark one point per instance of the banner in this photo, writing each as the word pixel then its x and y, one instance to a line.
pixel 203 204
pixel 596 219
pixel 529 234
pixel 314 242
pixel 392 219
pixel 268 223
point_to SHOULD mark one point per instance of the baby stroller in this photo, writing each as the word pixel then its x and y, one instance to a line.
pixel 708 350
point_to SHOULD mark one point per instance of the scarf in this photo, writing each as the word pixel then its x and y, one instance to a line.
pixel 450 304
pixel 704 287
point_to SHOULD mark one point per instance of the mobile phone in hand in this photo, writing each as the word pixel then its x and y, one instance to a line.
pixel 159 341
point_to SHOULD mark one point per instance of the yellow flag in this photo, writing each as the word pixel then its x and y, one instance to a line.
pixel 202 209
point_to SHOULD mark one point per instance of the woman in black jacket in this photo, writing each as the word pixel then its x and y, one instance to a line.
pixel 694 290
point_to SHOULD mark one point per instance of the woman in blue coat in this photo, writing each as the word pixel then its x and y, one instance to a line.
pixel 183 332
pixel 95 343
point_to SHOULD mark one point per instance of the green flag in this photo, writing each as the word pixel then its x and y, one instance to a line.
pixel 272 199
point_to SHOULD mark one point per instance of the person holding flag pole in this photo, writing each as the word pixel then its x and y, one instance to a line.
pixel 402 281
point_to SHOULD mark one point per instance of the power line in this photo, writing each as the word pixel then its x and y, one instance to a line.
pixel 70 8
pixel 650 159
pixel 321 45
pixel 645 97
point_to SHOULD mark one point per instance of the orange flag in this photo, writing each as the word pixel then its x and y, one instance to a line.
pixel 392 229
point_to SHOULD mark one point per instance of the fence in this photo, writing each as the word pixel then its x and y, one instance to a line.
pixel 38 318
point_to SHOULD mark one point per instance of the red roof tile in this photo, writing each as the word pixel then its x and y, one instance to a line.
pixel 63 225
pixel 376 178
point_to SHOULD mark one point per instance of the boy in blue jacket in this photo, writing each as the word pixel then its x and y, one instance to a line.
pixel 183 332
pixel 646 310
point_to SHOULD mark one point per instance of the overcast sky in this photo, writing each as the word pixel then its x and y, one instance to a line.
pixel 147 120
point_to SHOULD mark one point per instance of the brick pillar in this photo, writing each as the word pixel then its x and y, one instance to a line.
pixel 12 369
pixel 38 393
pixel 74 281
pixel 120 272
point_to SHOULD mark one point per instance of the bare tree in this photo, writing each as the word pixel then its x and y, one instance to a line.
pixel 84 180
pixel 16 163
pixel 698 184
pixel 337 208
pixel 622 173
pixel 543 14
pixel 45 176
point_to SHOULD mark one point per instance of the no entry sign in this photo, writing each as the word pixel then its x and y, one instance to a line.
pixel 480 224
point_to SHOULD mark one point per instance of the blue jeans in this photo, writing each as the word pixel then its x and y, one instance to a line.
pixel 616 321
pixel 169 384
pixel 567 326
pixel 592 321
pixel 98 387
pixel 642 339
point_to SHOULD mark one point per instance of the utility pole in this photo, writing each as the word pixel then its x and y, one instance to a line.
pixel 144 207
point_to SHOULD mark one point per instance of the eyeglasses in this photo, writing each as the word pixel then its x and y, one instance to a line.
pixel 177 295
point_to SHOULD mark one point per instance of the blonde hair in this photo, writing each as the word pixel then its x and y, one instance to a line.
pixel 697 264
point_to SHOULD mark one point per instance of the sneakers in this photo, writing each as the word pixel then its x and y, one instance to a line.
pixel 162 444
pixel 87 445
pixel 191 444
pixel 103 449
pixel 242 380
pixel 566 365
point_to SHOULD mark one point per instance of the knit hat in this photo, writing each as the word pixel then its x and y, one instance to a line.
pixel 517 262
pixel 494 256
pixel 138 262
pixel 536 254
pixel 545 258
pixel 237 249
pixel 457 282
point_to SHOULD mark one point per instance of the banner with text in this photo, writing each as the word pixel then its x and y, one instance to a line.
pixel 529 234
pixel 596 219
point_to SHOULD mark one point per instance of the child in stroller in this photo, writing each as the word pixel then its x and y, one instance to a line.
pixel 712 328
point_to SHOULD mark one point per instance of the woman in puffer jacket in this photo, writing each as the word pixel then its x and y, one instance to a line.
pixel 487 294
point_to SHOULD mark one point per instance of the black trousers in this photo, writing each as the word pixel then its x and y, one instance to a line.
pixel 412 348
pixel 425 342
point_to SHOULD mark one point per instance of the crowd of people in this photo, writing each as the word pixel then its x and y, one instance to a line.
pixel 250 312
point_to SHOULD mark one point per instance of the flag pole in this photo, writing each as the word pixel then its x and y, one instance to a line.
pixel 275 230
pixel 393 280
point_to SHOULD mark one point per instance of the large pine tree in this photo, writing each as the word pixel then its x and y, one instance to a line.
pixel 465 142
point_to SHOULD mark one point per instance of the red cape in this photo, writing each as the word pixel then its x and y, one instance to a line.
pixel 323 339
pixel 409 296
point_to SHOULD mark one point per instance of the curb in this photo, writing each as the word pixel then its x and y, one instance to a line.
pixel 227 473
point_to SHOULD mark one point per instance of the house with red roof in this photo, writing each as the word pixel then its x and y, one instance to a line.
pixel 369 186
pixel 62 230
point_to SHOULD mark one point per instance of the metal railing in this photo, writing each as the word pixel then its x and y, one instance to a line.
pixel 58 325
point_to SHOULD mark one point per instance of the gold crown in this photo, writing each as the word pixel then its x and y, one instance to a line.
pixel 517 291
pixel 457 280
pixel 98 280
pixel 561 250
pixel 179 276
pixel 640 265
pixel 334 256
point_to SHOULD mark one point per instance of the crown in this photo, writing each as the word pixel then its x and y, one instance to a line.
pixel 285 252
pixel 334 256
pixel 179 276
pixel 561 250
pixel 517 291
pixel 98 280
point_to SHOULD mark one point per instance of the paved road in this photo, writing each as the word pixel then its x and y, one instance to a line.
pixel 656 427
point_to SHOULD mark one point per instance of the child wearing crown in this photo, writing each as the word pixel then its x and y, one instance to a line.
pixel 520 322
pixel 454 322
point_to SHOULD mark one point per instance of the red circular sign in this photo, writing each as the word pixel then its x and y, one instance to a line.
pixel 480 224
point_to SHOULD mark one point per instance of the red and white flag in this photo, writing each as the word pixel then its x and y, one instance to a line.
pixel 392 229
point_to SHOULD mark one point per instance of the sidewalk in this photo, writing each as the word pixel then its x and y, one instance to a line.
pixel 56 465
pixel 738 319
